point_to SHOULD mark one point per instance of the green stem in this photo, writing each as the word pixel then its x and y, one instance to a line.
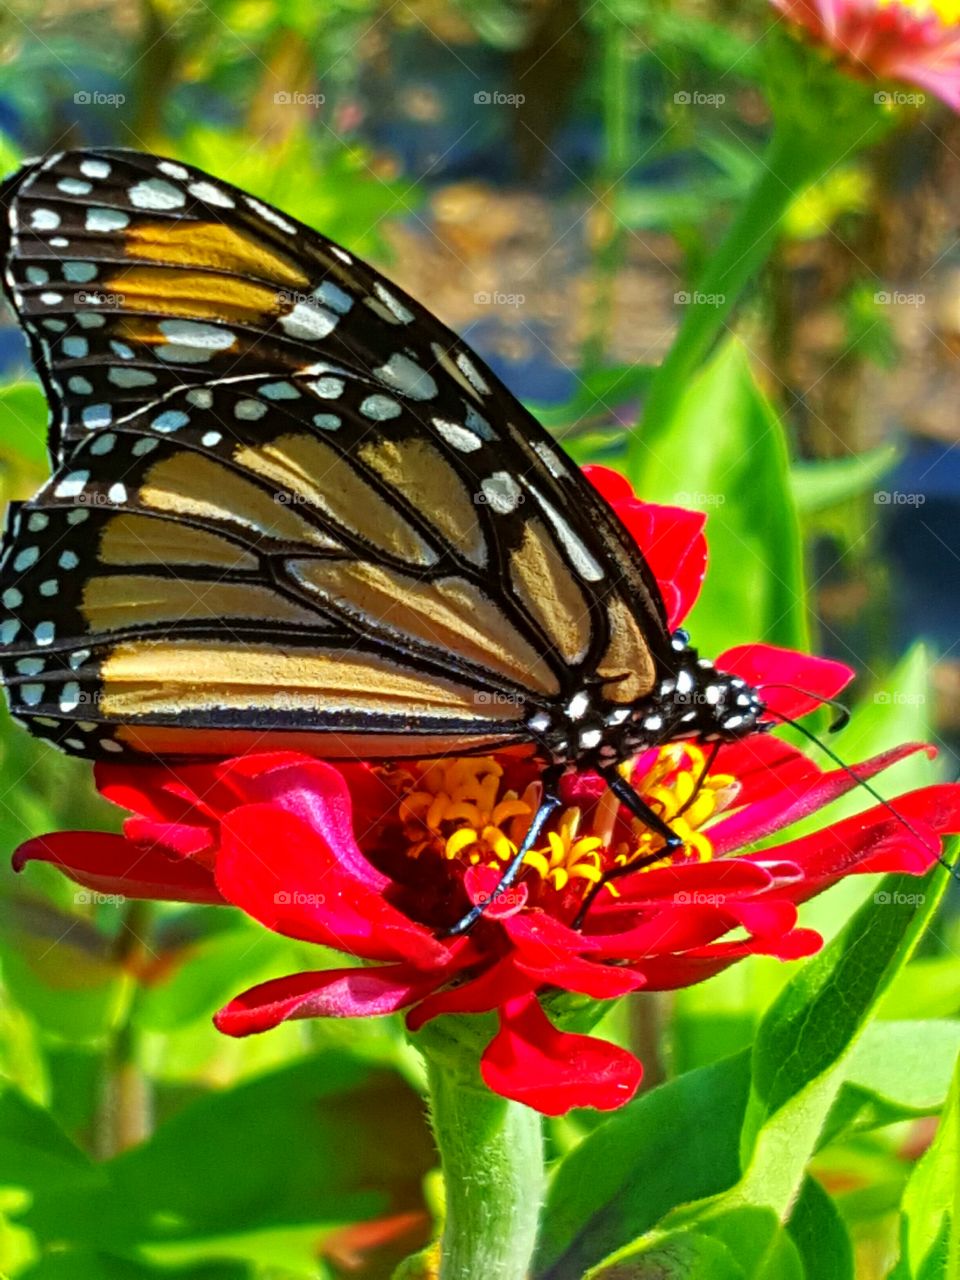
pixel 795 159
pixel 491 1151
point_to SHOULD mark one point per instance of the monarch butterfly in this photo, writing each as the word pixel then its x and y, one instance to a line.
pixel 289 507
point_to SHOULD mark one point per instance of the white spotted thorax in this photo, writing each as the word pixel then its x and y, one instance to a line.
pixel 697 702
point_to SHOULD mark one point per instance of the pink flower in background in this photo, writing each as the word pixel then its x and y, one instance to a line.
pixel 917 43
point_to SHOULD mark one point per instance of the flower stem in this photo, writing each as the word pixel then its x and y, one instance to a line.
pixel 796 157
pixel 491 1151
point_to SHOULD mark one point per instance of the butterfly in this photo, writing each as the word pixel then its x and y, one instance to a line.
pixel 290 508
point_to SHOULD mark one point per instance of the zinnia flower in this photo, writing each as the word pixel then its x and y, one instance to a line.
pixel 915 41
pixel 378 861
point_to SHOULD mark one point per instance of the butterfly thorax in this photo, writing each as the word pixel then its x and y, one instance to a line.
pixel 694 701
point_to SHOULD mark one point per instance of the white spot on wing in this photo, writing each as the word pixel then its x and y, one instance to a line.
pixel 580 557
pixel 501 492
pixel 156 195
pixel 406 376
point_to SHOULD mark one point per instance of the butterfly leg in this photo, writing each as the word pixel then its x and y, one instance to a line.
pixel 548 804
pixel 640 809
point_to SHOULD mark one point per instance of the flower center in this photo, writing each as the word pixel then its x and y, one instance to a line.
pixel 466 814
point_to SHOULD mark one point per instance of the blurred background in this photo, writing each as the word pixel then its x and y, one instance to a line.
pixel 549 178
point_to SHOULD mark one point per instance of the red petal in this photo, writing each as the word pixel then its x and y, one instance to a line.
pixel 330 993
pixel 769 668
pixel 280 871
pixel 572 973
pixel 532 1062
pixel 667 973
pixel 727 878
pixel 673 545
pixel 492 988
pixel 317 793
pixel 794 800
pixel 608 483
pixel 178 839
pixel 111 864
pixel 875 841
pixel 481 886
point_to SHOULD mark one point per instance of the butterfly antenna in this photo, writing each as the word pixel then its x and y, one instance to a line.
pixel 867 786
pixel 843 713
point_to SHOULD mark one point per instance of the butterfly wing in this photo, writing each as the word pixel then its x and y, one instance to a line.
pixel 287 502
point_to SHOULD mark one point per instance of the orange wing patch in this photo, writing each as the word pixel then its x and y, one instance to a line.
pixel 450 615
pixel 212 244
pixel 142 678
pixel 112 603
pixel 549 593
pixel 131 540
pixel 202 488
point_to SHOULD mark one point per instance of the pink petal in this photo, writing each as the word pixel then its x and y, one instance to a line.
pixel 770 669
pixel 280 870
pixel 111 864
pixel 532 1062
pixel 326 993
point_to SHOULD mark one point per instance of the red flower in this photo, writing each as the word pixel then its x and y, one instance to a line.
pixel 377 861
pixel 915 42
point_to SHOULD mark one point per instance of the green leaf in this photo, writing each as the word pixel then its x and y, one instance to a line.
pixel 819 1234
pixel 929 987
pixel 318 1143
pixel 817 486
pixel 35 1154
pixel 896 1071
pixel 748 1243
pixel 676 1143
pixel 800 1056
pixel 930 1223
pixel 23 426
pixel 87 1265
pixel 725 454
pixel 678 1257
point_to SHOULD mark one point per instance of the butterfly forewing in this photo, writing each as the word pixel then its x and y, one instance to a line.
pixel 288 504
